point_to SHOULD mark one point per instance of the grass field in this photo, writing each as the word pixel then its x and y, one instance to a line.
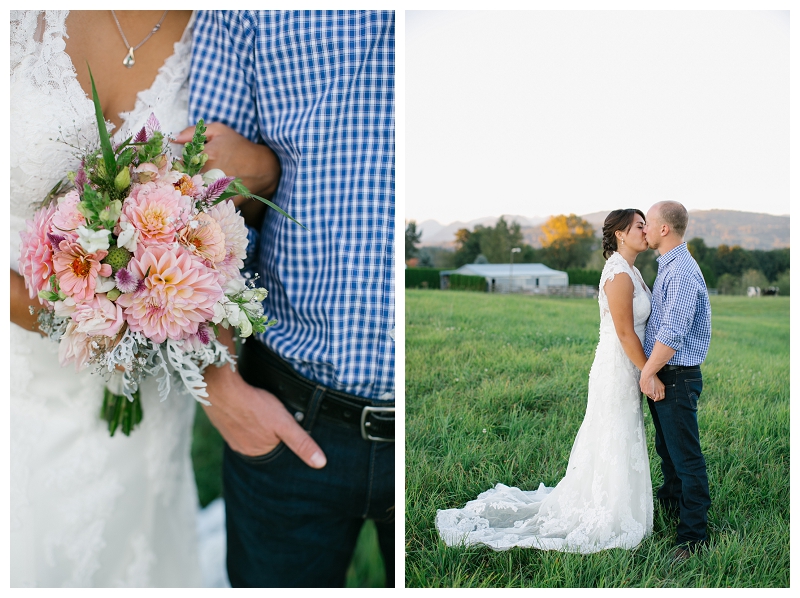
pixel 496 391
pixel 366 569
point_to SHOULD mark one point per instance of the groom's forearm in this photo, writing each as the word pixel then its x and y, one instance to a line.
pixel 660 355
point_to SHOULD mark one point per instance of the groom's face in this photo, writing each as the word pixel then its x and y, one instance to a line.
pixel 652 228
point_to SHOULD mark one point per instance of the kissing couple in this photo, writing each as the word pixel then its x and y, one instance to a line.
pixel 651 342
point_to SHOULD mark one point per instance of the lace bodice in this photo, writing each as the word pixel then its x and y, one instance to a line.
pixel 51 115
pixel 616 264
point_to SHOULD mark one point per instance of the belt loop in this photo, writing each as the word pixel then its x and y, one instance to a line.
pixel 313 407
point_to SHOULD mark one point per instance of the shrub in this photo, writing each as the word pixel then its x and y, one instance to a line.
pixel 463 282
pixel 422 278
pixel 587 277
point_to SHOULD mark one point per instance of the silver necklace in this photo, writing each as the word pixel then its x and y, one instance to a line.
pixel 129 60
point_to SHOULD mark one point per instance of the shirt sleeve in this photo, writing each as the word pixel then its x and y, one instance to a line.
pixel 679 308
pixel 222 79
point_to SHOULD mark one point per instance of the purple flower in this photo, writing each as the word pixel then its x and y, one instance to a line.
pixel 127 282
pixel 80 178
pixel 141 136
pixel 203 334
pixel 152 125
pixel 216 188
pixel 55 239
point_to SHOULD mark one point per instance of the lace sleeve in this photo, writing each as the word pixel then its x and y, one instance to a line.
pixel 614 265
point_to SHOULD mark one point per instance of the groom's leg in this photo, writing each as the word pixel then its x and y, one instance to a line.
pixel 669 493
pixel 677 414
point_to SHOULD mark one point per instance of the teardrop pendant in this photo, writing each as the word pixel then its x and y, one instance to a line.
pixel 129 60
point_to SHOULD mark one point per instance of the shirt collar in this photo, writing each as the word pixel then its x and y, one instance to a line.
pixel 672 254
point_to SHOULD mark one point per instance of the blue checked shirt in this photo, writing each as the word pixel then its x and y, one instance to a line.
pixel 680 316
pixel 317 87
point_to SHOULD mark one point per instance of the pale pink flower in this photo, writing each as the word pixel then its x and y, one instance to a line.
pixel 36 253
pixel 67 217
pixel 75 347
pixel 179 293
pixel 145 173
pixel 77 271
pixel 98 317
pixel 190 186
pixel 232 225
pixel 204 237
pixel 157 210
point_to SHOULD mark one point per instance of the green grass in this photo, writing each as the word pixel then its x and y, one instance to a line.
pixel 496 391
pixel 366 569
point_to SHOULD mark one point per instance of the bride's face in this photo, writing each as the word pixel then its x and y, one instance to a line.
pixel 635 238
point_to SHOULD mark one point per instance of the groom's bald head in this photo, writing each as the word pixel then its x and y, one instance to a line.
pixel 674 215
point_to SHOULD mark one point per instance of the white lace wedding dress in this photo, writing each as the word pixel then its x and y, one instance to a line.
pixel 87 509
pixel 605 499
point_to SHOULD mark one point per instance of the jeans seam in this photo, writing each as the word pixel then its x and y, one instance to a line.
pixel 370 477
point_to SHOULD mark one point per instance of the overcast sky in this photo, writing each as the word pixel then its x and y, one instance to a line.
pixel 542 112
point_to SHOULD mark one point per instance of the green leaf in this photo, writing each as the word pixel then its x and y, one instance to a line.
pixel 105 140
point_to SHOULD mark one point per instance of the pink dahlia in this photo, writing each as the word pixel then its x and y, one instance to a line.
pixel 232 225
pixel 157 210
pixel 98 317
pixel 67 217
pixel 77 271
pixel 204 237
pixel 178 294
pixel 36 252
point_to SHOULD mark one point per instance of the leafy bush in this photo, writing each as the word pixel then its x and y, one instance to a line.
pixel 463 282
pixel 587 277
pixel 422 278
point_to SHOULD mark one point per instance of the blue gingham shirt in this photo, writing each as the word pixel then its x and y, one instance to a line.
pixel 680 316
pixel 317 87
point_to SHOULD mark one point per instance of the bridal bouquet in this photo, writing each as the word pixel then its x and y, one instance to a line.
pixel 138 263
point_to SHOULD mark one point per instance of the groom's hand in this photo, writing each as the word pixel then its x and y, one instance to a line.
pixel 251 420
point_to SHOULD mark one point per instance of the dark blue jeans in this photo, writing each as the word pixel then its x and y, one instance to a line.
pixel 685 487
pixel 289 525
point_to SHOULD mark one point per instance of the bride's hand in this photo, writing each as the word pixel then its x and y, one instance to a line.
pixel 658 389
pixel 21 303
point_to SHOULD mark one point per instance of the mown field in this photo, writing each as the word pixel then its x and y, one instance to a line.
pixel 496 391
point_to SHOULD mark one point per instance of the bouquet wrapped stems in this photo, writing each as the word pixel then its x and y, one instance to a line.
pixel 120 412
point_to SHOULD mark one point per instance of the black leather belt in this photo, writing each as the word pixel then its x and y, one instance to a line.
pixel 671 368
pixel 263 368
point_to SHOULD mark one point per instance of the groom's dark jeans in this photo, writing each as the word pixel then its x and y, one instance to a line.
pixel 685 487
pixel 289 525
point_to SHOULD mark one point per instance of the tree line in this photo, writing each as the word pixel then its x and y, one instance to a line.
pixel 569 243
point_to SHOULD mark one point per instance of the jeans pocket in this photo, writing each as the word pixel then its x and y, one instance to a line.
pixel 265 458
pixel 694 386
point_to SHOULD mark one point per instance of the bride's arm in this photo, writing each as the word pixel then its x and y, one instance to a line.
pixel 619 291
pixel 21 303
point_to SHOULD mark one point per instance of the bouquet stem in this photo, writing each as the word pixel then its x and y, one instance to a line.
pixel 120 412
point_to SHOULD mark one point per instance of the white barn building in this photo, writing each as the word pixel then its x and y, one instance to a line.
pixel 519 278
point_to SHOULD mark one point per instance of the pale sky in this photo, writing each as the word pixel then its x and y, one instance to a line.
pixel 545 112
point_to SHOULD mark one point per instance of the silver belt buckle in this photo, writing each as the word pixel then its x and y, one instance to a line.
pixel 365 424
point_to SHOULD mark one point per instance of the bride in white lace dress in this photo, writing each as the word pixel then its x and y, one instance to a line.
pixel 605 499
pixel 87 509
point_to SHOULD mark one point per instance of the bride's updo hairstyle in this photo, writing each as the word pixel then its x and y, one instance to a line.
pixel 617 220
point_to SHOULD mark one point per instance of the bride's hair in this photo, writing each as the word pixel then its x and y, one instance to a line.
pixel 617 220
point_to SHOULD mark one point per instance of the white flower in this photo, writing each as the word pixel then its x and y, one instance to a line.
pixel 234 285
pixel 232 312
pixel 93 240
pixel 105 284
pixel 245 327
pixel 128 236
pixel 65 308
pixel 219 313
pixel 212 175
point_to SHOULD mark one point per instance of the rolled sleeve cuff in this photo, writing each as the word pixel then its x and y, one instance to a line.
pixel 670 338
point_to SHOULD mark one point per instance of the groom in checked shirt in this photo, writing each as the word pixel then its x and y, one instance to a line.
pixel 676 343
pixel 308 417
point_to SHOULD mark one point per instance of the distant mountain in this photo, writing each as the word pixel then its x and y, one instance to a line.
pixel 435 234
pixel 749 230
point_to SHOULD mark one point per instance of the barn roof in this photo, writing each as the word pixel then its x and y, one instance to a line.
pixel 499 270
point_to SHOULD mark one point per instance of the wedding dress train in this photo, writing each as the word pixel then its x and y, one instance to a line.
pixel 605 498
pixel 87 509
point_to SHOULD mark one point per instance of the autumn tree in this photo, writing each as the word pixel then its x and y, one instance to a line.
pixel 568 241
